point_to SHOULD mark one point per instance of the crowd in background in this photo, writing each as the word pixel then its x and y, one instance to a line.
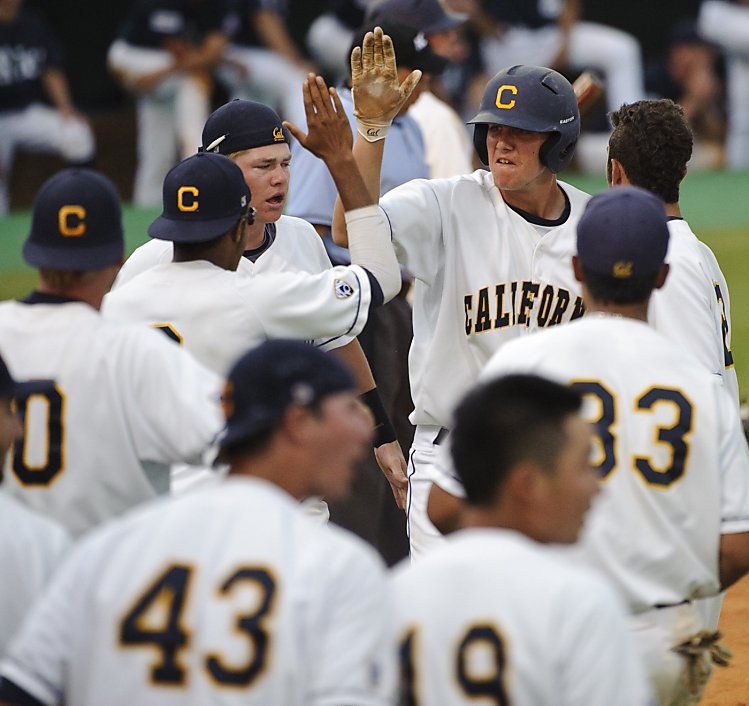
pixel 176 68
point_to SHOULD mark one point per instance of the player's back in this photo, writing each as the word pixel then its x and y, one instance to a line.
pixel 228 596
pixel 492 614
pixel 97 400
pixel 669 451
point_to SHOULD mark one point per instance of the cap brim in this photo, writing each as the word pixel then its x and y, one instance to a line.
pixel 70 257
pixel 190 231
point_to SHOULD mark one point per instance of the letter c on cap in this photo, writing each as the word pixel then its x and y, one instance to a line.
pixel 71 221
pixel 191 203
pixel 500 100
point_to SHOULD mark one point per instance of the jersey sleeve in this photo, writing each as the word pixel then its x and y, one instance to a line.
pixel 353 660
pixel 601 661
pixel 172 403
pixel 734 468
pixel 319 307
pixel 414 214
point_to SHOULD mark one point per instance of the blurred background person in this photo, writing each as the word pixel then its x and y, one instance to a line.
pixel 36 109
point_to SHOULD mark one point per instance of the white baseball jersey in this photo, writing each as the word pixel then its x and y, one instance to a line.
pixel 98 402
pixel 670 449
pixel 31 547
pixel 218 314
pixel 226 596
pixel 493 617
pixel 483 274
pixel 296 248
pixel 693 309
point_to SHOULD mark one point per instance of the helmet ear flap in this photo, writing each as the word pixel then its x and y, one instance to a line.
pixel 479 142
pixel 552 156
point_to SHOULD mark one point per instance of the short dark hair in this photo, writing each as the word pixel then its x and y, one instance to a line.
pixel 653 142
pixel 503 422
pixel 605 288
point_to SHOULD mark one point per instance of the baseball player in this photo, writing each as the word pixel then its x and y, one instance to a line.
pixel 31 545
pixel 230 595
pixel 489 251
pixel 693 308
pixel 219 314
pixel 672 522
pixel 529 628
pixel 105 408
pixel 36 109
pixel 253 136
pixel 164 55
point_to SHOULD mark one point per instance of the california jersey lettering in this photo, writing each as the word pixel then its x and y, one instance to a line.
pixel 670 451
pixel 518 304
pixel 483 276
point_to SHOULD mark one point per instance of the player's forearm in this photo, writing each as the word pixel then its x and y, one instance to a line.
pixel 56 86
pixel 733 558
pixel 272 32
pixel 370 247
pixel 368 158
pixel 353 357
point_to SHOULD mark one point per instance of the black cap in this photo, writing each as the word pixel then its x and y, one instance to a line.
pixel 270 378
pixel 76 223
pixel 426 16
pixel 204 196
pixel 8 385
pixel 242 125
pixel 411 47
pixel 623 233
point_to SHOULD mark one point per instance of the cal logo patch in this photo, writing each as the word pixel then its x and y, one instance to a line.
pixel 343 290
pixel 622 269
pixel 278 135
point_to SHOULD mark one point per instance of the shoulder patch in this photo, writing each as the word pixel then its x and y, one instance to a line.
pixel 343 290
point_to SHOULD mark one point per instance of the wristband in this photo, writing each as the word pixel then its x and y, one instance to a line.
pixel 370 131
pixel 384 432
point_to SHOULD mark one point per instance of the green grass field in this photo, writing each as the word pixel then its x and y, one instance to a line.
pixel 716 205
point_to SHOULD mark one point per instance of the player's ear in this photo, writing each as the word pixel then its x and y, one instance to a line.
pixel 660 280
pixel 577 267
pixel 616 173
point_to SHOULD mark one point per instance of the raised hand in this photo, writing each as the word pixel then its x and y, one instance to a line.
pixel 328 131
pixel 377 92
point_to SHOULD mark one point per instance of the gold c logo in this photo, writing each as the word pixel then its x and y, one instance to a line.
pixel 71 221
pixel 192 203
pixel 622 269
pixel 278 135
pixel 500 101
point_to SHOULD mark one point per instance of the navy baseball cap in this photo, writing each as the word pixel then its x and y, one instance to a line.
pixel 426 16
pixel 411 47
pixel 242 125
pixel 76 223
pixel 8 385
pixel 270 378
pixel 204 196
pixel 623 233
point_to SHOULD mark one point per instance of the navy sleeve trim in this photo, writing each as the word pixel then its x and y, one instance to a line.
pixel 14 694
pixel 378 298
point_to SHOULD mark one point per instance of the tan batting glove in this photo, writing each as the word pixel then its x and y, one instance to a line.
pixel 377 93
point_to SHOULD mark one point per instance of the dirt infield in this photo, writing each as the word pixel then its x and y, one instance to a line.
pixel 730 686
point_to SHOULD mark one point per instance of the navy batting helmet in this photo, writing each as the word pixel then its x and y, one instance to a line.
pixel 531 98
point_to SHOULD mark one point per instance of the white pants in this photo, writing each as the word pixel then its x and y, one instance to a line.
pixel 170 117
pixel 422 468
pixel 614 53
pixel 267 77
pixel 727 25
pixel 656 632
pixel 39 128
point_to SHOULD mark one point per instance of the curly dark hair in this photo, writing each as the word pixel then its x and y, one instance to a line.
pixel 653 142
